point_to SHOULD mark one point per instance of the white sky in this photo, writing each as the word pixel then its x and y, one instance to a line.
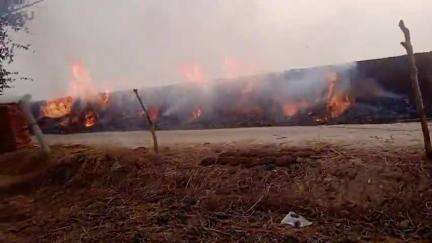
pixel 139 43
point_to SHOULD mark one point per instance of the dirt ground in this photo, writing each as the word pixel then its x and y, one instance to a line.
pixel 372 135
pixel 356 184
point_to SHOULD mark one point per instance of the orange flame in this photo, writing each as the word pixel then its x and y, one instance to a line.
pixel 197 113
pixel 338 104
pixel 153 113
pixel 90 119
pixel 193 73
pixel 81 85
pixel 337 101
pixel 292 108
pixel 104 97
pixel 57 108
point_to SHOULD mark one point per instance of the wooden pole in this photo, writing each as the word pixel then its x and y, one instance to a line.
pixel 416 88
pixel 151 123
pixel 24 104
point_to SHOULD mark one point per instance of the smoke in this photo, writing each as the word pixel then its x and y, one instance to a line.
pixel 145 43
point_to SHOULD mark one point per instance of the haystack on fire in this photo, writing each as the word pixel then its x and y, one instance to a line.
pixel 350 93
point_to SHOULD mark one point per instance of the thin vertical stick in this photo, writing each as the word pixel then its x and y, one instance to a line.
pixel 24 104
pixel 416 88
pixel 151 123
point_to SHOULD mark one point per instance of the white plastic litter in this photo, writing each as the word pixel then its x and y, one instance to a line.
pixel 295 220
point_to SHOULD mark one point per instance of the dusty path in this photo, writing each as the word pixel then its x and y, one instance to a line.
pixel 371 135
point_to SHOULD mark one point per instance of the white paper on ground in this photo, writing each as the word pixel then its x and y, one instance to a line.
pixel 295 220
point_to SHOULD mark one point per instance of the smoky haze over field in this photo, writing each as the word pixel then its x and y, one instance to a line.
pixel 142 43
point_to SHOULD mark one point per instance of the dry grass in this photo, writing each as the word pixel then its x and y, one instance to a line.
pixel 240 194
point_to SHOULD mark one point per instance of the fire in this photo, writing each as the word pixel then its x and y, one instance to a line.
pixel 81 89
pixel 292 108
pixel 337 101
pixel 193 73
pixel 57 108
pixel 197 113
pixel 153 113
pixel 81 85
pixel 90 118
pixel 250 98
pixel 104 97
pixel 338 104
pixel 320 120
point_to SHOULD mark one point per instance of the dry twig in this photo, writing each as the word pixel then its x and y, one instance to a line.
pixel 266 191
pixel 416 88
pixel 151 123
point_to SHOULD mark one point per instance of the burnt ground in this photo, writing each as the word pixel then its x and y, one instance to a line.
pixel 214 193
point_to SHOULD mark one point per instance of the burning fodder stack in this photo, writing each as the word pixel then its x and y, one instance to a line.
pixel 372 91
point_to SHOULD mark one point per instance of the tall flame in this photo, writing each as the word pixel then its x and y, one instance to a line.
pixel 338 104
pixel 337 101
pixel 81 85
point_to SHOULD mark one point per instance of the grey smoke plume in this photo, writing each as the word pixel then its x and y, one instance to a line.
pixel 141 43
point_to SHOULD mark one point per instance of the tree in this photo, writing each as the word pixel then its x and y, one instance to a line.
pixel 13 17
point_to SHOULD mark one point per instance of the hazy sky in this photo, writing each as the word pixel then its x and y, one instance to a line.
pixel 138 43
